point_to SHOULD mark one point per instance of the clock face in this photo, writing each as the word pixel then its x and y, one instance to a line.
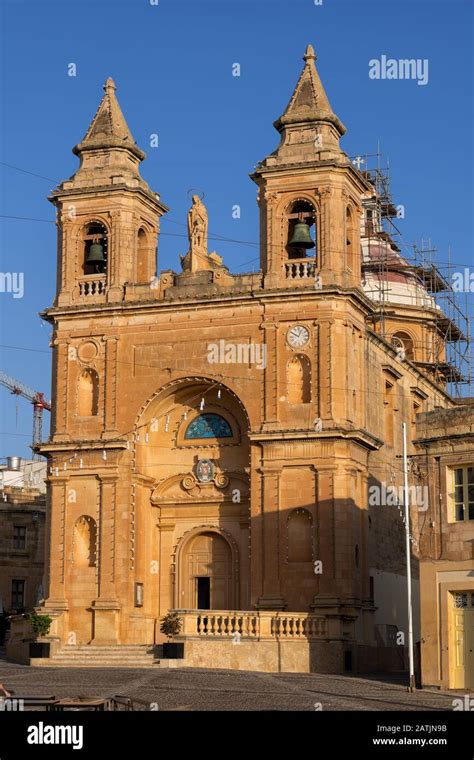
pixel 297 336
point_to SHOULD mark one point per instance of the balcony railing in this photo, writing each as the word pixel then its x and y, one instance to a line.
pixel 223 624
pixel 92 285
pixel 300 269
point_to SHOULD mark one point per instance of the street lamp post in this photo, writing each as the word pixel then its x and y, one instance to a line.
pixel 406 501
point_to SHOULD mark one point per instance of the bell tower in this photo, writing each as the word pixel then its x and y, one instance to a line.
pixel 107 215
pixel 309 195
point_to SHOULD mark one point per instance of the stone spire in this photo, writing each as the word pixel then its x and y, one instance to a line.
pixel 309 102
pixel 108 153
pixel 310 130
pixel 109 128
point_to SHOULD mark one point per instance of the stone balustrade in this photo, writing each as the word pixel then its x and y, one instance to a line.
pixel 253 625
pixel 300 269
pixel 92 285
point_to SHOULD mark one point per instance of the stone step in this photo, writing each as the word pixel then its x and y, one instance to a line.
pixel 104 650
pixel 109 648
pixel 115 663
pixel 94 658
pixel 107 662
pixel 86 651
pixel 88 664
pixel 104 655
pixel 99 650
pixel 108 656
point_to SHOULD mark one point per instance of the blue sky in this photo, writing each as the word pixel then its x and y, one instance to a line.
pixel 172 64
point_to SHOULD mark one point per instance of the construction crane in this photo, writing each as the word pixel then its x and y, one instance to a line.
pixel 37 399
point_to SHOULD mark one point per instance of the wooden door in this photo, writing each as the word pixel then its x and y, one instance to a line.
pixel 208 555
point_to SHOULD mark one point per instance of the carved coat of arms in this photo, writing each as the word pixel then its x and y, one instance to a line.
pixel 205 470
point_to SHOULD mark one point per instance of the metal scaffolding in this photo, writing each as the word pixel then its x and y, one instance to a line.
pixel 446 345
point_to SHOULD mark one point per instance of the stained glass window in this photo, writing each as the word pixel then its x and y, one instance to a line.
pixel 208 426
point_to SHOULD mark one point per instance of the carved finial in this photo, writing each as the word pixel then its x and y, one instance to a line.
pixel 309 55
pixel 109 85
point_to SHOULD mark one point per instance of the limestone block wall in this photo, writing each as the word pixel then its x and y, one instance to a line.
pixel 312 460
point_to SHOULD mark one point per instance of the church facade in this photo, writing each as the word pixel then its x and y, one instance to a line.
pixel 216 437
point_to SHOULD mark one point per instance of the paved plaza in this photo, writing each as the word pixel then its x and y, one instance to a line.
pixel 196 689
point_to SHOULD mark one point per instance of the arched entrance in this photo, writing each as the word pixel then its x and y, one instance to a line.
pixel 198 482
pixel 206 580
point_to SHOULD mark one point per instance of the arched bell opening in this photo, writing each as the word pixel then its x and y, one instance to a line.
pixel 142 257
pixel 302 231
pixel 95 249
pixel 350 239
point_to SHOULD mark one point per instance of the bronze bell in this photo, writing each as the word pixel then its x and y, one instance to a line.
pixel 95 254
pixel 301 237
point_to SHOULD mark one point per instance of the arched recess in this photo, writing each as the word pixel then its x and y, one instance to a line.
pixel 143 250
pixel 298 380
pixel 88 393
pixel 206 552
pixel 85 542
pixel 300 536
pixel 159 448
pixel 350 239
pixel 180 391
pixel 402 341
pixel 163 420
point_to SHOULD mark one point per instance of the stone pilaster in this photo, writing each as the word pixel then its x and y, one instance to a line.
pixel 56 544
pixel 110 387
pixel 106 606
pixel 271 597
